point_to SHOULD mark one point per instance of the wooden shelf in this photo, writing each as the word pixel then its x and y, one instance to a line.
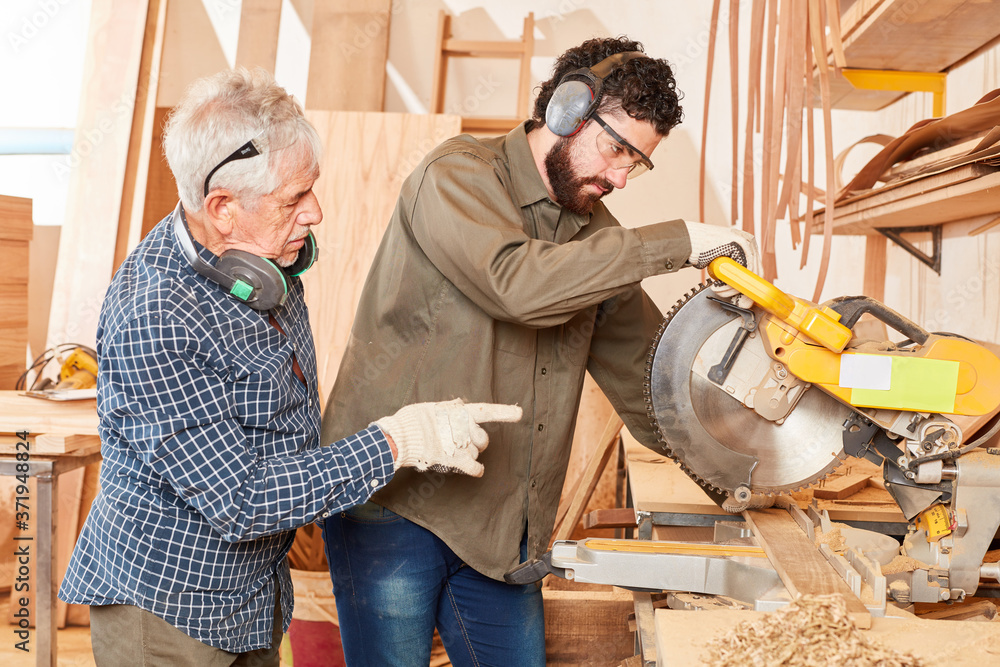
pixel 908 36
pixel 967 192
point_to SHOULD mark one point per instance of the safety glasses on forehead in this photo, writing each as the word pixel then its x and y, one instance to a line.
pixel 246 150
pixel 620 153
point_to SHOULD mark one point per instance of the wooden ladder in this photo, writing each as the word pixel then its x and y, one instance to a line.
pixel 449 47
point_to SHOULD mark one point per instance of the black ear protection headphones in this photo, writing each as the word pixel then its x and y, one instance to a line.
pixel 256 281
pixel 578 94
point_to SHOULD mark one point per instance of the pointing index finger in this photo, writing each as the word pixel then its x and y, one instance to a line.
pixel 494 412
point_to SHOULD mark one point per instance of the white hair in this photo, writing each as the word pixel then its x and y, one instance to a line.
pixel 222 112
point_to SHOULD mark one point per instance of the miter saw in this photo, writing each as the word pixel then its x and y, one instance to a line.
pixel 767 393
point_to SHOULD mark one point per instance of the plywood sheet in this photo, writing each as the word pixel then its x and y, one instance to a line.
pixel 258 40
pixel 96 169
pixel 368 156
pixel 350 46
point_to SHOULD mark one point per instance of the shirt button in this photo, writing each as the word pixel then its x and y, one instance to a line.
pixel 669 265
pixel 326 514
pixel 541 427
pixel 533 483
pixel 374 483
pixel 545 371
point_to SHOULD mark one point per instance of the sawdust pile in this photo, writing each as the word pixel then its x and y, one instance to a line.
pixel 812 631
pixel 833 537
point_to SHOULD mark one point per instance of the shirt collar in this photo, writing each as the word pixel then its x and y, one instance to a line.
pixel 528 185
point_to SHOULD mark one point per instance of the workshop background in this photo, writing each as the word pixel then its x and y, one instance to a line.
pixel 90 81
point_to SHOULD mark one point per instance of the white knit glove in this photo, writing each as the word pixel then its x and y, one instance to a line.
pixel 709 242
pixel 446 436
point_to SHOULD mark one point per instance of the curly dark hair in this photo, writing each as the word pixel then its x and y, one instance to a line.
pixel 643 87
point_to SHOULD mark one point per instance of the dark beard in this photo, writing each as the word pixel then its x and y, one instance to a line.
pixel 567 187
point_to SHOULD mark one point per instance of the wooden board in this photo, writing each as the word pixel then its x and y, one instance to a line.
pixel 144 128
pixel 257 45
pixel 15 218
pixel 594 412
pixel 685 634
pixel 79 614
pixel 314 596
pixel 35 415
pixel 48 444
pixel 801 567
pixel 659 485
pixel 840 487
pixel 358 195
pixel 876 246
pixel 587 627
pixel 161 188
pixel 958 194
pixel 908 36
pixel 620 517
pixel 191 49
pixel 607 444
pixel 96 182
pixel 350 46
pixel 16 229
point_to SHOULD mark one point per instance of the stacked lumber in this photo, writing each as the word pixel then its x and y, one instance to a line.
pixel 15 236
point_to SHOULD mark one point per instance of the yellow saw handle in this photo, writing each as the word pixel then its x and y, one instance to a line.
pixel 821 324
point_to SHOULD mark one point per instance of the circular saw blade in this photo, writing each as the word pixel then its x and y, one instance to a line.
pixel 717 440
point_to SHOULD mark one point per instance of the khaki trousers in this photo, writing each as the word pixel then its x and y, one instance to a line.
pixel 125 636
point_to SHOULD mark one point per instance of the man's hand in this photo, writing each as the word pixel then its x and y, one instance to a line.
pixel 710 242
pixel 444 436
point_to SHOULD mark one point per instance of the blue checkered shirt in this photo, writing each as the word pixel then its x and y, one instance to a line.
pixel 211 452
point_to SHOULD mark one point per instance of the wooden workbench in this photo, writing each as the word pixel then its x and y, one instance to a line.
pixel 62 437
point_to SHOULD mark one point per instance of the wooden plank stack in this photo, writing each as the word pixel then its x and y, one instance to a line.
pixel 15 236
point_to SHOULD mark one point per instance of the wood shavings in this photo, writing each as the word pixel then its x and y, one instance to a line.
pixel 903 564
pixel 812 631
pixel 833 538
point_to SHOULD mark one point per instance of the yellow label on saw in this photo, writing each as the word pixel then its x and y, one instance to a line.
pixel 915 384
pixel 936 521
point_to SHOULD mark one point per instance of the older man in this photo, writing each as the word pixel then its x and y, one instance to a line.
pixel 208 400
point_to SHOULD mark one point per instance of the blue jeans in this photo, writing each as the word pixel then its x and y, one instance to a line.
pixel 395 581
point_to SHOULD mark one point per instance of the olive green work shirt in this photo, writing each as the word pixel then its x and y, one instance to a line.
pixel 483 289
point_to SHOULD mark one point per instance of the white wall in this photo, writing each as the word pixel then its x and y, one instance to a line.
pixel 42 43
